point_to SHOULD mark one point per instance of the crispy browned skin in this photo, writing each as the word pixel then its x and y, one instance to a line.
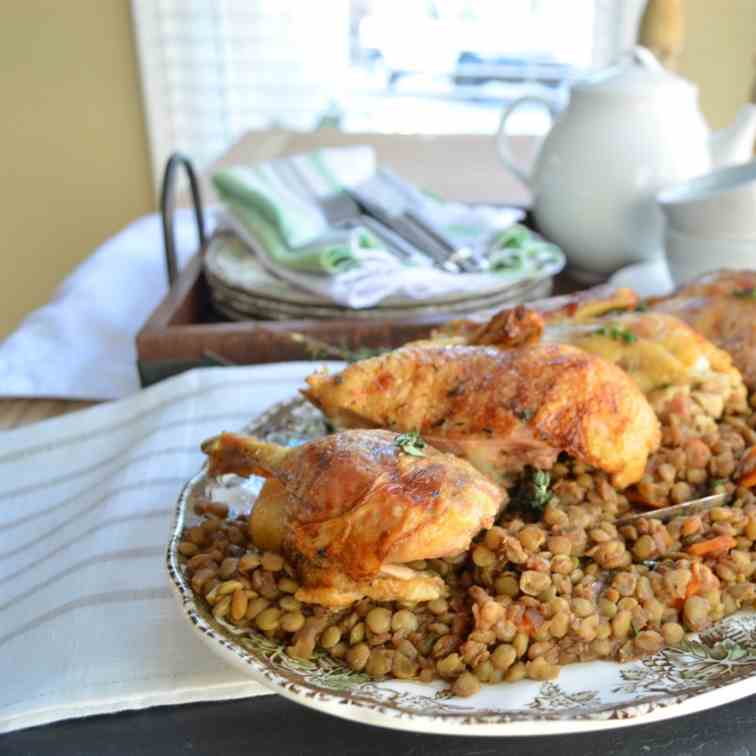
pixel 719 305
pixel 267 523
pixel 357 508
pixel 510 328
pixel 500 409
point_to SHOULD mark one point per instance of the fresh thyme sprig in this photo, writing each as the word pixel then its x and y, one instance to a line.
pixel 318 349
pixel 411 443
pixel 533 491
pixel 541 493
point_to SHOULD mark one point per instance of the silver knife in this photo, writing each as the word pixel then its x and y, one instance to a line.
pixel 399 244
pixel 398 223
pixel 460 255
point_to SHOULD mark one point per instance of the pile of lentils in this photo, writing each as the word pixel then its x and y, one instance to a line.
pixel 547 585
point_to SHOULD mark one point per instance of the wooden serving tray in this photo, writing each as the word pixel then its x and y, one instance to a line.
pixel 184 332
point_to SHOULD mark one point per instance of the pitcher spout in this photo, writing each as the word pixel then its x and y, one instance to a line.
pixel 735 143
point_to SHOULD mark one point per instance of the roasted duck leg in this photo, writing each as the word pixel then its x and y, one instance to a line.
pixel 351 509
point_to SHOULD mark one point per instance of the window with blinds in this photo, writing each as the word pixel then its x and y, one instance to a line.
pixel 214 69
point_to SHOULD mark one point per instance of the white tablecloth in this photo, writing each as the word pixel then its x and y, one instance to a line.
pixel 81 344
pixel 88 623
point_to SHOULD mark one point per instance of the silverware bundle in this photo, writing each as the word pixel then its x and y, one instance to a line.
pixel 388 207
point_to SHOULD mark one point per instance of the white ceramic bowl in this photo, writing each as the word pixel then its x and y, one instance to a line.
pixel 721 204
pixel 689 256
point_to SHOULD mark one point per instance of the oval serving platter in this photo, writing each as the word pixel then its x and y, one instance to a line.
pixel 716 667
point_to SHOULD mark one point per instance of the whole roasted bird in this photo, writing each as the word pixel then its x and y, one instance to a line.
pixel 351 509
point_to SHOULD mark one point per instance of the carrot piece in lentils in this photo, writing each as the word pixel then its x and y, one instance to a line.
pixel 748 469
pixel 712 546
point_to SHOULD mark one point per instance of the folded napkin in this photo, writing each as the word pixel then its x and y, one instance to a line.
pixel 88 622
pixel 335 251
pixel 276 205
pixel 275 208
pixel 379 277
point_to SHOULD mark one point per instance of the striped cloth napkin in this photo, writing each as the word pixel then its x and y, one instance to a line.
pixel 275 207
pixel 88 623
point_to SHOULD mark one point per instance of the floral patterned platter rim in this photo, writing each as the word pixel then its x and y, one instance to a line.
pixel 716 668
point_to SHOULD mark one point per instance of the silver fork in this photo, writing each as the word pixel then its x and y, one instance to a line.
pixel 338 208
pixel 384 200
pixel 387 209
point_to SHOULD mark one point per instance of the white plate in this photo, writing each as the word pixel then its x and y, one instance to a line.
pixel 239 306
pixel 232 270
pixel 717 668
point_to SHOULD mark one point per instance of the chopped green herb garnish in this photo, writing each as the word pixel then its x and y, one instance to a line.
pixel 533 491
pixel 746 294
pixel 617 333
pixel 541 493
pixel 641 307
pixel 411 443
pixel 319 350
pixel 716 483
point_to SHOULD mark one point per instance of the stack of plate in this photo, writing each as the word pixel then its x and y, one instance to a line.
pixel 241 289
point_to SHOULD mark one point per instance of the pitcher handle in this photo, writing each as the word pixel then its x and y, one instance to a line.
pixel 503 136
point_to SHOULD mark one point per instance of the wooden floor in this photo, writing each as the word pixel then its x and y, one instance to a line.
pixel 15 413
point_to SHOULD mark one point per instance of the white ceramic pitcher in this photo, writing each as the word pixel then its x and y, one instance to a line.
pixel 627 131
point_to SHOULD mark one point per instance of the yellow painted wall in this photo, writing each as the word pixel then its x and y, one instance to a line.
pixel 74 159
pixel 720 54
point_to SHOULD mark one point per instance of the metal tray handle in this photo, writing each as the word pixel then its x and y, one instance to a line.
pixel 168 210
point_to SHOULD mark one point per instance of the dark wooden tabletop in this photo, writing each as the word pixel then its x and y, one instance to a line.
pixel 272 725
